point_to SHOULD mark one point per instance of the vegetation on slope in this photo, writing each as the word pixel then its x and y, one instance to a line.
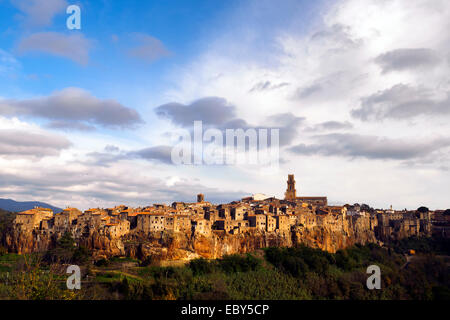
pixel 272 273
pixel 6 219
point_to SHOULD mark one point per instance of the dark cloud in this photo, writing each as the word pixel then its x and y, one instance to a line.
pixel 289 126
pixel 70 126
pixel 75 106
pixel 71 46
pixel 38 13
pixel 103 159
pixel 112 154
pixel 111 148
pixel 159 153
pixel 216 113
pixel 370 147
pixel 309 90
pixel 148 48
pixel 267 85
pixel 337 37
pixel 211 110
pixel 83 186
pixel 19 143
pixel 401 102
pixel 403 59
pixel 331 125
pixel 329 85
pixel 287 123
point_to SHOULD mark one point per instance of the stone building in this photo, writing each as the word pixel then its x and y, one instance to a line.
pixel 291 195
pixel 117 229
pixel 283 222
pixel 150 222
pixel 237 213
pixel 401 224
pixel 212 215
pixel 202 226
pixel 223 224
pixel 258 221
pixel 65 218
pixel 224 212
pixel 31 219
pixel 182 223
pixel 271 223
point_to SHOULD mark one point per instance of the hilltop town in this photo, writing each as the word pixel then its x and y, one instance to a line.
pixel 189 230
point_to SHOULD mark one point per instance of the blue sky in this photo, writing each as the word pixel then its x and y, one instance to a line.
pixel 357 89
pixel 185 29
pixel 179 26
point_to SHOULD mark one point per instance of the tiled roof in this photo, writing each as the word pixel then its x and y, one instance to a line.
pixel 29 212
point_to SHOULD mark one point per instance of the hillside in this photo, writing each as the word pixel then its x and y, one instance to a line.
pixel 16 206
pixel 6 219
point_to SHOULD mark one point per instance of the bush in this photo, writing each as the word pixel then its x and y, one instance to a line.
pixel 67 252
pixel 236 263
pixel 3 251
pixel 102 263
pixel 299 261
pixel 441 293
pixel 201 266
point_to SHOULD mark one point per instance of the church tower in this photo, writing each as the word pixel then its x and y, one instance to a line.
pixel 291 193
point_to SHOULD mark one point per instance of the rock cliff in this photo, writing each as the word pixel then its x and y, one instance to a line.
pixel 170 246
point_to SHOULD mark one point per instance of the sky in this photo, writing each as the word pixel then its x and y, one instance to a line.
pixel 359 90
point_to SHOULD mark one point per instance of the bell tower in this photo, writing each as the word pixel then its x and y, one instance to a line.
pixel 291 193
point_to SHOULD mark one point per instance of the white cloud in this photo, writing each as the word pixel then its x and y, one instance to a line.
pixel 74 46
pixel 321 73
pixel 8 63
pixel 73 108
pixel 331 68
pixel 19 140
pixel 147 48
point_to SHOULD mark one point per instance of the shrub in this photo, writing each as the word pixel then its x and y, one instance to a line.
pixel 237 263
pixel 201 266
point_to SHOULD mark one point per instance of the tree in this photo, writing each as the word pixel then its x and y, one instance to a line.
pixel 423 210
pixel 66 241
pixel 66 251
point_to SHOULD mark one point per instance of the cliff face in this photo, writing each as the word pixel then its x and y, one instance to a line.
pixel 16 240
pixel 329 235
pixel 335 237
pixel 181 246
pixel 19 241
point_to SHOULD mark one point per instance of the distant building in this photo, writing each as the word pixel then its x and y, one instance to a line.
pixel 291 195
pixel 259 197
